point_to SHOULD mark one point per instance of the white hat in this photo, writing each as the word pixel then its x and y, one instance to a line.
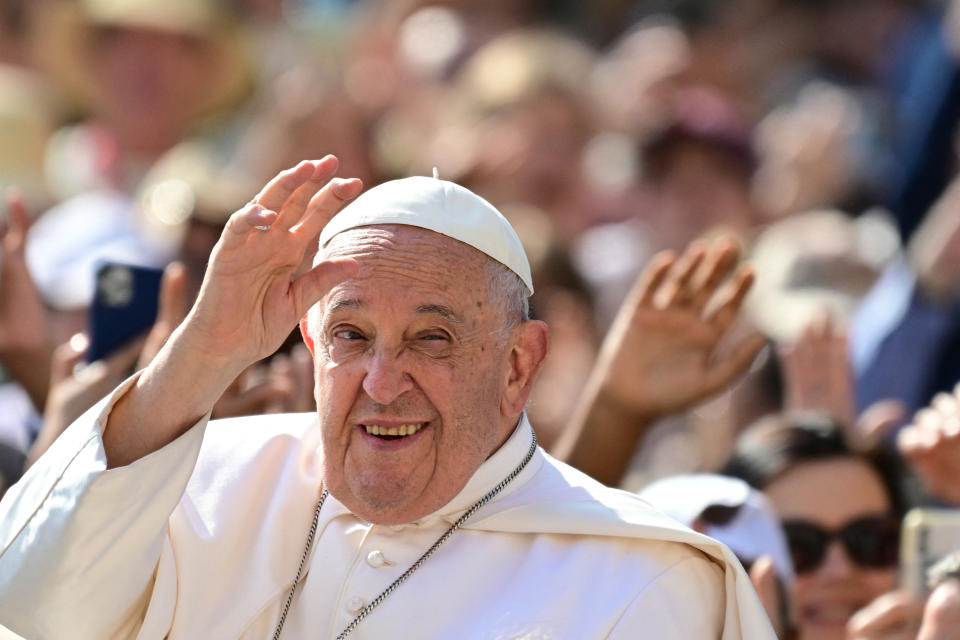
pixel 441 206
pixel 753 530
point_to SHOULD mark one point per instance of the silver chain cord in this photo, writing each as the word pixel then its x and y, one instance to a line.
pixel 303 562
pixel 416 565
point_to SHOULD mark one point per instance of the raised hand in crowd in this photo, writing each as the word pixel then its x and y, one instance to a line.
pixel 250 300
pixel 769 588
pixel 941 614
pixel 893 616
pixel 75 386
pixel 665 352
pixel 282 384
pixel 172 307
pixel 817 373
pixel 25 344
pixel 931 444
pixel 818 378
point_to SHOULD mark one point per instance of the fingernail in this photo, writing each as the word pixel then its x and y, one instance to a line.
pixel 340 186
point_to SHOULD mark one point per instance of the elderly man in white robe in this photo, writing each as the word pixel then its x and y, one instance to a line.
pixel 417 506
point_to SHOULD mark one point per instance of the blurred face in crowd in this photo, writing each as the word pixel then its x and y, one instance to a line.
pixel 419 377
pixel 831 495
pixel 700 188
pixel 533 148
pixel 153 80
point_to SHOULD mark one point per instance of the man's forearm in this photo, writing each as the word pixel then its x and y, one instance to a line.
pixel 173 393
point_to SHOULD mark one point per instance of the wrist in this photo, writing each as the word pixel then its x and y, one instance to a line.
pixel 186 371
pixel 623 408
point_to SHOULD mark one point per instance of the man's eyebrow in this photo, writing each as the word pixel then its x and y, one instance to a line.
pixel 441 310
pixel 346 303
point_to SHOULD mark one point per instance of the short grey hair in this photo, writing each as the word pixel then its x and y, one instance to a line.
pixel 508 292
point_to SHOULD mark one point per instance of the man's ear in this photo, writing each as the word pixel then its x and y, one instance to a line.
pixel 526 357
pixel 305 332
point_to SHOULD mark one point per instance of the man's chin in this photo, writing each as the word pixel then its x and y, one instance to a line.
pixel 386 502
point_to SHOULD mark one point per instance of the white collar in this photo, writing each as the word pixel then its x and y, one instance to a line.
pixel 493 470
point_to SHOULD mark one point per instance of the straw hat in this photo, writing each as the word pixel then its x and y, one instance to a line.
pixel 65 28
pixel 28 111
pixel 815 262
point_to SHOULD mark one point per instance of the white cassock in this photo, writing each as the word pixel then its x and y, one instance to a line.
pixel 204 542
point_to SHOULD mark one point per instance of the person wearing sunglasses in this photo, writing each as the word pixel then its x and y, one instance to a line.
pixel 840 511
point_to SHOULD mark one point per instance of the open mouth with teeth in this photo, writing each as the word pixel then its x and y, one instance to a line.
pixel 395 432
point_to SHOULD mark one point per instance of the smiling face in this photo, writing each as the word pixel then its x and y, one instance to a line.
pixel 831 493
pixel 412 345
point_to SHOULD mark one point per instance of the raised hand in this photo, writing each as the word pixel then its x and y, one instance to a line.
pixel 171 310
pixel 817 371
pixel 251 298
pixel 662 353
pixel 75 387
pixel 25 346
pixel 931 444
pixel 665 352
pixel 891 616
pixel 941 614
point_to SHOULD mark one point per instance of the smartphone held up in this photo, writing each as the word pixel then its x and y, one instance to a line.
pixel 125 305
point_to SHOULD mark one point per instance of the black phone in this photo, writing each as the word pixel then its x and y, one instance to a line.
pixel 125 305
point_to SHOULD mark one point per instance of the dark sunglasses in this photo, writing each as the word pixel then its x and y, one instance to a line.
pixel 871 542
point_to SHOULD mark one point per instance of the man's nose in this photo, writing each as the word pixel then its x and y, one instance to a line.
pixel 386 379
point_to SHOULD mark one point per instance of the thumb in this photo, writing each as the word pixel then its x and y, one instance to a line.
pixel 66 357
pixel 315 283
pixel 171 310
pixel 763 575
pixel 173 295
pixel 18 218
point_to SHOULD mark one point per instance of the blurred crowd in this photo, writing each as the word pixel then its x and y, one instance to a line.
pixel 644 150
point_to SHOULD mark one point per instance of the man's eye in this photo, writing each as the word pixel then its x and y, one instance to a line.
pixel 348 334
pixel 434 336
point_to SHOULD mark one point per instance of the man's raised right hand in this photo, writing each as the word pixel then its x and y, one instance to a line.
pixel 251 298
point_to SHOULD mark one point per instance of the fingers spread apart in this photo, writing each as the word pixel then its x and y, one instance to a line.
pixel 284 185
pixel 693 279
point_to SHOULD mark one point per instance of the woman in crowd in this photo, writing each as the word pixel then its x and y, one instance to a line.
pixel 841 513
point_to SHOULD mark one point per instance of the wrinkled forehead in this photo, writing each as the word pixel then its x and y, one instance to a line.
pixel 402 249
pixel 397 237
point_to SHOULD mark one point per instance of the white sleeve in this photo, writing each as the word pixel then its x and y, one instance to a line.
pixel 79 544
pixel 686 602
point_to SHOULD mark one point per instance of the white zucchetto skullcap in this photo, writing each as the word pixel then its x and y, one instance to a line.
pixel 441 206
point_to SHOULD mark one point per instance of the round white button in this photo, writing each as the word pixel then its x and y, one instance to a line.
pixel 375 559
pixel 355 604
